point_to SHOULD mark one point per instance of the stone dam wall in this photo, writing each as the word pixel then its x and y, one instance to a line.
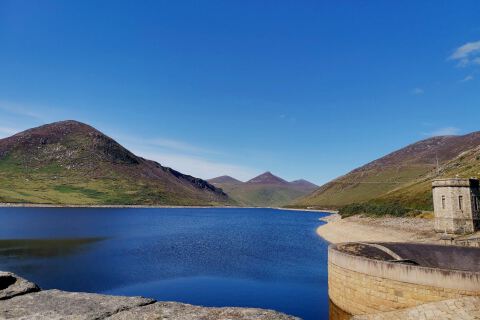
pixel 21 300
pixel 370 279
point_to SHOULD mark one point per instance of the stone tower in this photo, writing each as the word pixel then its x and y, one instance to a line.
pixel 456 204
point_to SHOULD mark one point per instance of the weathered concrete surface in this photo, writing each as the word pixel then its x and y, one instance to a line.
pixel 455 309
pixel 180 311
pixel 22 300
pixel 12 285
pixel 425 255
pixel 439 256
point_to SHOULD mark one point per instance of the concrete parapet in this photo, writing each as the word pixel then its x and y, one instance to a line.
pixel 365 285
pixel 452 182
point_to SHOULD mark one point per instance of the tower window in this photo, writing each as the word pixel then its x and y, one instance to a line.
pixel 443 202
pixel 460 202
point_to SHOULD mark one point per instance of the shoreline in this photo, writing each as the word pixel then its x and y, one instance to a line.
pixel 48 205
pixel 381 229
pixel 141 206
pixel 308 210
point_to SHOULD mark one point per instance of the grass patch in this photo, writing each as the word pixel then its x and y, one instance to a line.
pixel 51 169
pixel 373 209
pixel 84 191
pixel 11 165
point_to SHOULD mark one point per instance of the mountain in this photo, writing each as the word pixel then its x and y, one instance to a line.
pixel 402 177
pixel 267 178
pixel 265 190
pixel 304 184
pixel 224 179
pixel 418 193
pixel 70 162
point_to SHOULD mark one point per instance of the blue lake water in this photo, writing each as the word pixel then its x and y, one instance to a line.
pixel 262 258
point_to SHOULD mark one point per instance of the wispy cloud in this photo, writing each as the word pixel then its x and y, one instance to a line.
pixel 467 78
pixel 166 144
pixel 177 145
pixel 19 110
pixel 7 131
pixel 417 91
pixel 445 131
pixel 197 166
pixel 467 54
pixel 185 157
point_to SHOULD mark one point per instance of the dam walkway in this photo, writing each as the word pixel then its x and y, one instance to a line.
pixel 453 309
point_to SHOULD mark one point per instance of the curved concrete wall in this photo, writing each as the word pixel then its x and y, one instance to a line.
pixel 360 285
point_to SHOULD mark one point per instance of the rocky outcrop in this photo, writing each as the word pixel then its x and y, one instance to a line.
pixel 56 304
pixel 12 285
pixel 20 299
pixel 181 311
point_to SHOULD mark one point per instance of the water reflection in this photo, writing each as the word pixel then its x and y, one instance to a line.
pixel 335 313
pixel 43 248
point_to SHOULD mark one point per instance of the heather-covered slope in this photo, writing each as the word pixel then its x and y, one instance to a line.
pixel 70 162
pixel 265 190
pixel 418 194
pixel 402 177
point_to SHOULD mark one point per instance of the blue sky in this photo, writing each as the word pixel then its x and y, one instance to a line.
pixel 305 89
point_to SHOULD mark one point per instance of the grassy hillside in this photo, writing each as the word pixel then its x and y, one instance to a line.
pixel 72 163
pixel 262 195
pixel 418 194
pixel 265 190
pixel 402 178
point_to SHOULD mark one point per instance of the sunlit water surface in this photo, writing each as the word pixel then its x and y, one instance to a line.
pixel 262 258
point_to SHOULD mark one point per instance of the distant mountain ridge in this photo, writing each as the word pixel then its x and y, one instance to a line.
pixel 70 162
pixel 264 190
pixel 267 178
pixel 224 179
pixel 402 177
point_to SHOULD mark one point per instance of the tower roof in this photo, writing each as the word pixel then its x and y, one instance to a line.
pixel 455 182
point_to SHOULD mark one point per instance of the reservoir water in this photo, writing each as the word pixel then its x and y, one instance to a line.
pixel 261 258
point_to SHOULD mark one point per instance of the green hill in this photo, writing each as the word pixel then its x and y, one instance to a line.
pixel 402 178
pixel 70 162
pixel 265 190
pixel 418 195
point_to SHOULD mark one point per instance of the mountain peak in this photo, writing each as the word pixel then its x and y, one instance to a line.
pixel 68 155
pixel 64 125
pixel 224 179
pixel 66 140
pixel 267 178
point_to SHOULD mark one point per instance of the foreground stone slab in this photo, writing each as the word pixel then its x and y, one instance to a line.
pixel 12 285
pixel 180 311
pixel 56 304
pixel 453 309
